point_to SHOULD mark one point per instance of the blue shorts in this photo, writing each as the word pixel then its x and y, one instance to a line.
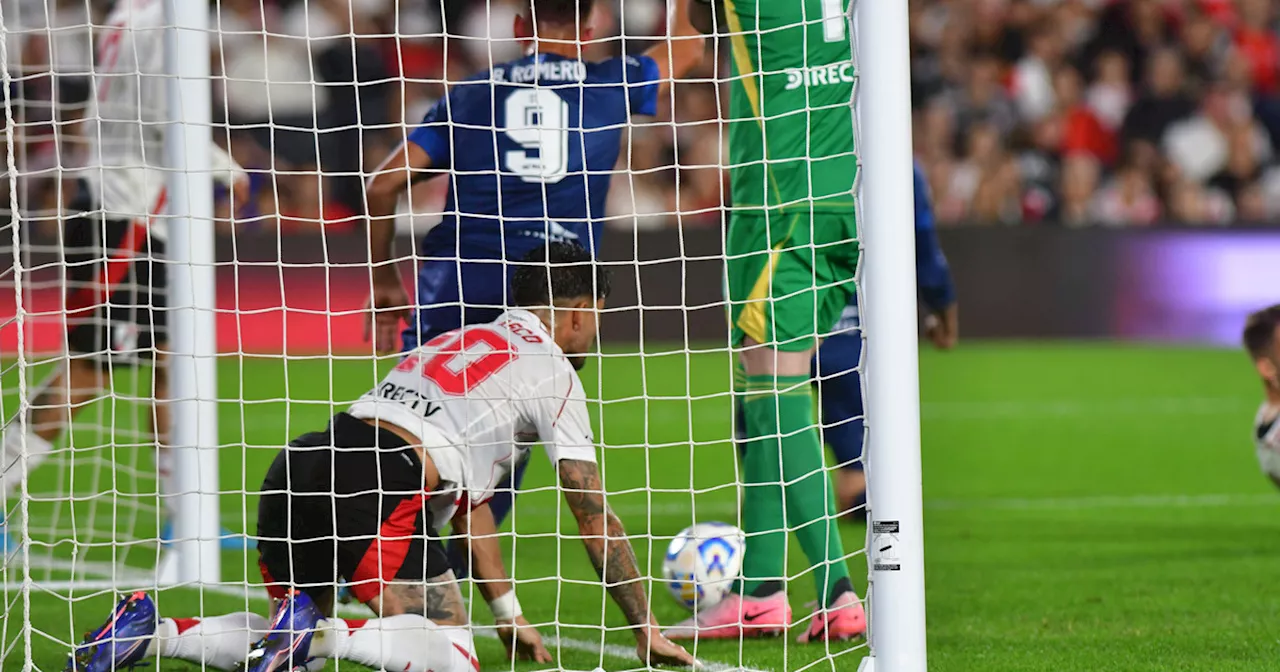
pixel 839 385
pixel 453 293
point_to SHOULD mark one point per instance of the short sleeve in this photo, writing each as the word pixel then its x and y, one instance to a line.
pixel 560 414
pixel 640 75
pixel 433 134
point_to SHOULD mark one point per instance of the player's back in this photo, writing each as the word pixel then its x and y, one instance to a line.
pixel 479 389
pixel 531 146
pixel 791 124
pixel 125 125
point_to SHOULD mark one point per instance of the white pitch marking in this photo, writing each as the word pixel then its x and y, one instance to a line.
pixel 134 578
pixel 1107 502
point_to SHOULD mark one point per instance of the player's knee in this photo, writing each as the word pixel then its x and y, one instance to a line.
pixel 761 360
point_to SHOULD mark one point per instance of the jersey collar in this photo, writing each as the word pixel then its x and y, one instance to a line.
pixel 528 318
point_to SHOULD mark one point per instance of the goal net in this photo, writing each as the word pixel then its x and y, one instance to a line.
pixel 186 269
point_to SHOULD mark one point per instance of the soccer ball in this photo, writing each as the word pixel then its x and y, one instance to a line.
pixel 702 563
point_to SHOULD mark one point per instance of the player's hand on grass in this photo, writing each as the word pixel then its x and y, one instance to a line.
pixel 388 306
pixel 655 649
pixel 943 328
pixel 522 640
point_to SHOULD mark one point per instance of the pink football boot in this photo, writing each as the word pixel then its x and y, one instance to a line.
pixel 844 619
pixel 737 616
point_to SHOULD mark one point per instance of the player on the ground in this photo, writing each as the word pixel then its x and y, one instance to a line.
pixel 530 146
pixel 1262 341
pixel 115 300
pixel 835 368
pixel 791 256
pixel 365 499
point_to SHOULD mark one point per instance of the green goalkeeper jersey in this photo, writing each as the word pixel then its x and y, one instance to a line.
pixel 790 110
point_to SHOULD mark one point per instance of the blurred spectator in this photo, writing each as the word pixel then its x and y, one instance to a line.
pixel 1191 203
pixel 1162 102
pixel 1068 112
pixel 984 98
pixel 1082 131
pixel 1199 145
pixel 1111 93
pixel 1187 91
pixel 1128 198
pixel 1080 175
pixel 1033 76
pixel 1256 39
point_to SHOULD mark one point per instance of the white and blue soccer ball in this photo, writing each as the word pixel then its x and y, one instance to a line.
pixel 702 563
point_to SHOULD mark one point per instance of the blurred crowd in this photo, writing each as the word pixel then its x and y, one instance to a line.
pixel 1071 112
pixel 1112 112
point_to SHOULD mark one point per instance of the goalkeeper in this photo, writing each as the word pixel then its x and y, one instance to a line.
pixel 366 497
pixel 835 367
pixel 791 255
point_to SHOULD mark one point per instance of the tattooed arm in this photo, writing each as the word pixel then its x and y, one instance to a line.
pixel 475 529
pixel 615 561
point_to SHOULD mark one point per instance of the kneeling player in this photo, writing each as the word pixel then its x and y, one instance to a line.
pixel 1262 340
pixel 363 501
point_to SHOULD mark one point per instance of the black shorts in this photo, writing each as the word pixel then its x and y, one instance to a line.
pixel 334 506
pixel 115 303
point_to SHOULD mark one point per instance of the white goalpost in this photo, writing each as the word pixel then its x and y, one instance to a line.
pixel 895 532
pixel 193 361
pixel 289 276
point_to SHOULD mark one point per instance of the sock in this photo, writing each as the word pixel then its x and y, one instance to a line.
pixel 840 587
pixel 166 483
pixel 780 422
pixel 407 642
pixel 220 642
pixel 764 559
pixel 13 472
pixel 767 588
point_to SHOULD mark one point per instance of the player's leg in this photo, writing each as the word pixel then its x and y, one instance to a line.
pixel 797 296
pixel 294 518
pixel 135 633
pixel 840 614
pixel 762 606
pixel 150 301
pixel 787 304
pixel 387 553
pixel 840 396
pixel 54 403
pixel 423 627
pixel 88 246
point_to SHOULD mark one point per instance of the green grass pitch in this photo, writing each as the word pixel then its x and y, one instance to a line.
pixel 1088 507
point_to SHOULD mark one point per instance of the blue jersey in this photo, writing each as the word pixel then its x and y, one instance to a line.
pixel 933 275
pixel 530 146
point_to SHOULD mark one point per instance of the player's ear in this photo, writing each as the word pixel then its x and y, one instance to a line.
pixel 522 27
pixel 580 308
pixel 587 34
pixel 1267 369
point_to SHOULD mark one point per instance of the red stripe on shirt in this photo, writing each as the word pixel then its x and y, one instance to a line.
pixel 117 265
pixel 387 551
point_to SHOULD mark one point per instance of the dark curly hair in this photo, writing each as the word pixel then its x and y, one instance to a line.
pixel 569 12
pixel 556 274
pixel 1260 331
